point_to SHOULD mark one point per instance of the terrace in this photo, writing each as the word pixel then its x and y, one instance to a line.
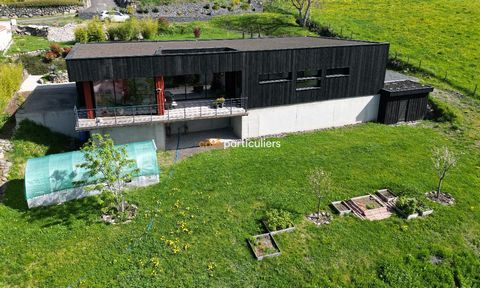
pixel 141 114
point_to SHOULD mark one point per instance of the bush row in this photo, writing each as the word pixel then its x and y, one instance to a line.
pixel 10 80
pixel 132 29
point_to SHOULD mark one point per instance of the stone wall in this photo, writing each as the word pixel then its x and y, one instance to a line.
pixel 27 12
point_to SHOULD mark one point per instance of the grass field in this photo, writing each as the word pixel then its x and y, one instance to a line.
pixel 219 198
pixel 440 33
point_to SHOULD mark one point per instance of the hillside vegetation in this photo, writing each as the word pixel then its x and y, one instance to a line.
pixel 10 80
pixel 442 34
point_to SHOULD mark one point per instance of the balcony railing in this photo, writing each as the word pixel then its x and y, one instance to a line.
pixel 132 115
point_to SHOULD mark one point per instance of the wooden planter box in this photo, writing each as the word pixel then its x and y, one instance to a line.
pixel 289 229
pixel 425 212
pixel 341 208
pixel 267 242
pixel 386 195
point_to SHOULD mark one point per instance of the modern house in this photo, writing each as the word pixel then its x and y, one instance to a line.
pixel 256 87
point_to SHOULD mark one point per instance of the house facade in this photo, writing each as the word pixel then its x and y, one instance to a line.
pixel 256 87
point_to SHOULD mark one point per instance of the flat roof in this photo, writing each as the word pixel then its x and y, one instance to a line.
pixel 405 87
pixel 149 48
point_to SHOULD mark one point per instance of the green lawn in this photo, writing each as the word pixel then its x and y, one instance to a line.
pixel 441 33
pixel 220 197
pixel 40 3
pixel 27 43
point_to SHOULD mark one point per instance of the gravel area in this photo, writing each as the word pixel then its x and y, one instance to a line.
pixel 62 34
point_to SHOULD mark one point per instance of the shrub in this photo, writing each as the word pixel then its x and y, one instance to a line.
pixel 163 24
pixel 197 32
pixel 129 30
pixel 277 219
pixel 149 28
pixel 215 6
pixel 95 31
pixel 244 6
pixel 81 35
pixel 113 32
pixel 56 49
pixel 407 205
pixel 130 9
pixel 10 80
pixel 235 2
pixel 49 56
pixel 65 51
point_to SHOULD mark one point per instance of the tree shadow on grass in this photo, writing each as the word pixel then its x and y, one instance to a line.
pixel 86 210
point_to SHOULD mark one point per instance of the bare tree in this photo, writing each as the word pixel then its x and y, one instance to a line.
pixel 443 160
pixel 321 184
pixel 303 9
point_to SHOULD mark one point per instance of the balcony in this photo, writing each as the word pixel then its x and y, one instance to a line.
pixel 136 115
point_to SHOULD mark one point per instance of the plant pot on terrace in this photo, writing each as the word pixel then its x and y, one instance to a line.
pixel 219 103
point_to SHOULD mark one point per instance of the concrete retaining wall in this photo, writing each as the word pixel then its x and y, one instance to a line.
pixel 308 116
pixel 57 121
pixel 127 134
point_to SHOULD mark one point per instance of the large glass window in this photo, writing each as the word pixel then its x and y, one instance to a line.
pixel 104 93
pixel 196 86
pixel 274 77
pixel 139 91
pixel 338 72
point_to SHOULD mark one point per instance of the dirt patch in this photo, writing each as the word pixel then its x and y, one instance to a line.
pixel 443 198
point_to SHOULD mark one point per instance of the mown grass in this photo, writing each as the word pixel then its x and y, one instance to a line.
pixel 219 196
pixel 27 43
pixel 439 33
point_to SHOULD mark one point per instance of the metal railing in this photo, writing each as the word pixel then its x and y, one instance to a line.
pixel 183 110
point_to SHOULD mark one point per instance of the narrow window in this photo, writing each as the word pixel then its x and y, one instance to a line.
pixel 338 72
pixel 308 80
pixel 274 77
pixel 309 74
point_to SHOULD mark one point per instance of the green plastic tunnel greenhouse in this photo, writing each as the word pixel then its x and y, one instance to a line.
pixel 54 178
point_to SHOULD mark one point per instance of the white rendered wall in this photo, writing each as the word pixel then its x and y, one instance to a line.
pixel 136 133
pixel 5 36
pixel 308 116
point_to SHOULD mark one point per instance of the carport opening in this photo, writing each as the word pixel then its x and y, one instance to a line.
pixel 200 133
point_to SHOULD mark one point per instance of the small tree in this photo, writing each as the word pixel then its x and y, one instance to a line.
pixel 110 168
pixel 443 160
pixel 321 184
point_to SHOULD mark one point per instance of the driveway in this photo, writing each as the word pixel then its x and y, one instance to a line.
pixel 96 7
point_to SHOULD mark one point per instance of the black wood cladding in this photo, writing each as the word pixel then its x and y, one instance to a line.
pixel 367 64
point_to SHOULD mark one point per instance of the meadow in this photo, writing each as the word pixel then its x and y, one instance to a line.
pixel 439 36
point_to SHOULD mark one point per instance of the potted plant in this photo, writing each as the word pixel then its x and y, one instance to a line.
pixel 424 210
pixel 407 207
pixel 220 102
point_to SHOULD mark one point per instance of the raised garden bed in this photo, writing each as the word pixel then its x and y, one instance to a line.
pixel 341 208
pixel 386 195
pixel 443 198
pixel 274 231
pixel 407 216
pixel 263 246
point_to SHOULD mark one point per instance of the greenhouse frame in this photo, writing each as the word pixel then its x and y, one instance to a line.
pixel 56 178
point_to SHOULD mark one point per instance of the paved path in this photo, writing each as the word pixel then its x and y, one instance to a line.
pixel 100 5
pixel 30 83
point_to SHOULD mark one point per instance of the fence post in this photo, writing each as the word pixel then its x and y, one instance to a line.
pixel 446 75
pixel 475 90
pixel 420 65
pixel 341 31
pixel 115 115
pixel 408 60
pixel 351 35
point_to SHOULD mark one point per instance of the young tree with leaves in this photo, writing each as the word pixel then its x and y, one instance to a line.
pixel 110 167
pixel 321 184
pixel 443 160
